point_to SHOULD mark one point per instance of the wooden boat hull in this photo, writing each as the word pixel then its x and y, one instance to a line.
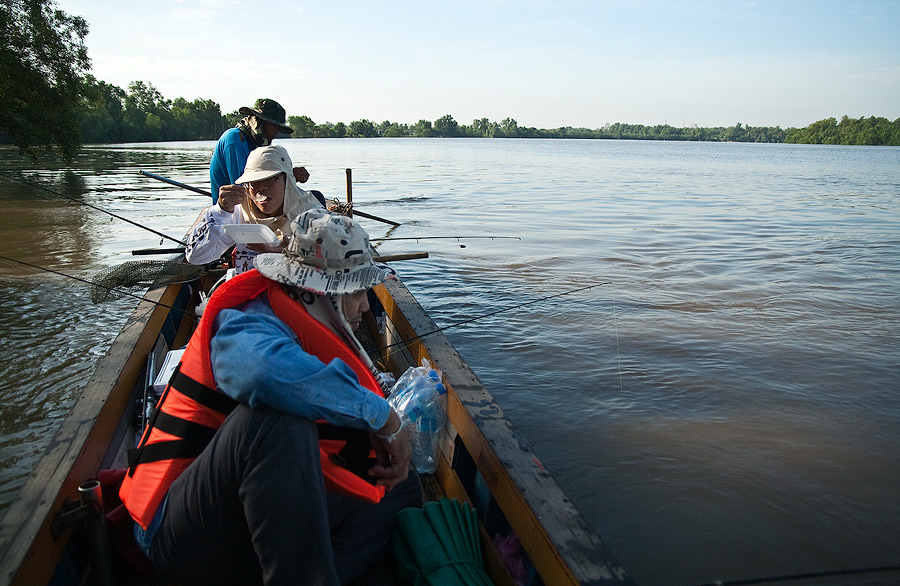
pixel 483 460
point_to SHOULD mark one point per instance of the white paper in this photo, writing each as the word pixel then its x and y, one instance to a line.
pixel 173 357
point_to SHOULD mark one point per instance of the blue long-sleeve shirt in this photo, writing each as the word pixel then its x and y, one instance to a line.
pixel 256 359
pixel 228 160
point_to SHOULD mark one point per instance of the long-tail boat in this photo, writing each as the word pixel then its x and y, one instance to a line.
pixel 52 532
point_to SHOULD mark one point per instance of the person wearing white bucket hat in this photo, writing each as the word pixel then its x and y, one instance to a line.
pixel 259 503
pixel 264 194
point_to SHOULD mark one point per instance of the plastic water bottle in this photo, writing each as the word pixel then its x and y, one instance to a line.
pixel 421 401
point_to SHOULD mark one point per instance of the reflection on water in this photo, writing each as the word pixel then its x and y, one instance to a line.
pixel 724 407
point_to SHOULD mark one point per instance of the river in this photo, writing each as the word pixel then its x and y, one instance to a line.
pixel 723 405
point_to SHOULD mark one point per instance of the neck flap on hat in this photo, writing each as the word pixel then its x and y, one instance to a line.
pixel 256 129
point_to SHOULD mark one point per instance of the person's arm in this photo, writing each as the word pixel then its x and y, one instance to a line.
pixel 256 360
pixel 207 240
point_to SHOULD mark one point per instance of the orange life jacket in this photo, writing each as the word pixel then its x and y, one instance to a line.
pixel 191 409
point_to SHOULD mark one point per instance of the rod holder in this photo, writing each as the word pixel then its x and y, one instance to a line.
pixel 91 496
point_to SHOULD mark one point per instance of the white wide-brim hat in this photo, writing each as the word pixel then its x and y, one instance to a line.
pixel 328 254
pixel 266 162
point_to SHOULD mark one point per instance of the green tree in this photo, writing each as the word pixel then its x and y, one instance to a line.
pixel 232 118
pixel 102 113
pixel 303 126
pixel 510 127
pixel 423 128
pixel 363 128
pixel 446 126
pixel 480 127
pixel 197 120
pixel 147 112
pixel 396 130
pixel 43 60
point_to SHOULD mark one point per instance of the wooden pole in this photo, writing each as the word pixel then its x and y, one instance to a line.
pixel 350 203
pixel 350 192
pixel 373 217
pixel 407 256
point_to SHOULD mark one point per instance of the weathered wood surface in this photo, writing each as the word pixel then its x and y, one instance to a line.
pixel 561 545
pixel 28 552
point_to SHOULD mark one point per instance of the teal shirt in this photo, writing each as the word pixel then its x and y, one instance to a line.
pixel 228 160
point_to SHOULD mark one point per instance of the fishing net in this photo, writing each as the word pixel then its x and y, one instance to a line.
pixel 121 280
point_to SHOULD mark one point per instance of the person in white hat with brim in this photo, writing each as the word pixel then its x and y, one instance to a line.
pixel 264 194
pixel 258 128
pixel 256 505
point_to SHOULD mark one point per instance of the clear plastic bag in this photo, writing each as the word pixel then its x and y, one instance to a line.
pixel 420 399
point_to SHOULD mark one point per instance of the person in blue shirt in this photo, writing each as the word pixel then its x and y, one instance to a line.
pixel 259 126
pixel 253 506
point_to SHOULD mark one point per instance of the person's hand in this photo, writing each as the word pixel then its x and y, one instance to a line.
pixel 392 458
pixel 231 196
pixel 301 175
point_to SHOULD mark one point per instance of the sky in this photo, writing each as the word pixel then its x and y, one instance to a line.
pixel 546 64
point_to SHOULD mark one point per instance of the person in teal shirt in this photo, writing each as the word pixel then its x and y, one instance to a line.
pixel 260 125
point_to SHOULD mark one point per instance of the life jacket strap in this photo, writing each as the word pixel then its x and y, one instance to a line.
pixel 201 393
pixel 354 456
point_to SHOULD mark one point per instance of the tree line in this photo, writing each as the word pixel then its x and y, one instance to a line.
pixel 142 114
pixel 850 131
pixel 53 104
pixel 446 126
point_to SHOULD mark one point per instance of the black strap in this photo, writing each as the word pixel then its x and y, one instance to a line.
pixel 193 436
pixel 192 439
pixel 201 393
pixel 354 456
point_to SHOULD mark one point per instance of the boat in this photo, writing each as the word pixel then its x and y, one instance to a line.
pixel 483 460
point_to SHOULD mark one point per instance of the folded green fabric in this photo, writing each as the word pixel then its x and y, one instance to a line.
pixel 438 545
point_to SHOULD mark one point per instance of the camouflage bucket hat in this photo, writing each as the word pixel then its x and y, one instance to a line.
pixel 270 111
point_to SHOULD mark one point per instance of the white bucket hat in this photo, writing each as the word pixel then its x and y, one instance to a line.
pixel 328 254
pixel 266 162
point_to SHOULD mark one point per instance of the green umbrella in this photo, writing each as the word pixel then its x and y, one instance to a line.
pixel 439 545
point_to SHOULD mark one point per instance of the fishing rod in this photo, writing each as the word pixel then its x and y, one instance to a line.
pixel 441 238
pixel 99 209
pixel 405 343
pixel 175 183
pixel 206 193
pixel 117 291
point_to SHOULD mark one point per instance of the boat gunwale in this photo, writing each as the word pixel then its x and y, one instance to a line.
pixel 560 543
pixel 79 445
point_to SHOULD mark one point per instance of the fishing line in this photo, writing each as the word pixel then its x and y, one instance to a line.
pixel 93 284
pixel 375 354
pixel 408 341
pixel 616 329
pixel 99 209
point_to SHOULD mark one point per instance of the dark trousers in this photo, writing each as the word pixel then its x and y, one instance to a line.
pixel 252 508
